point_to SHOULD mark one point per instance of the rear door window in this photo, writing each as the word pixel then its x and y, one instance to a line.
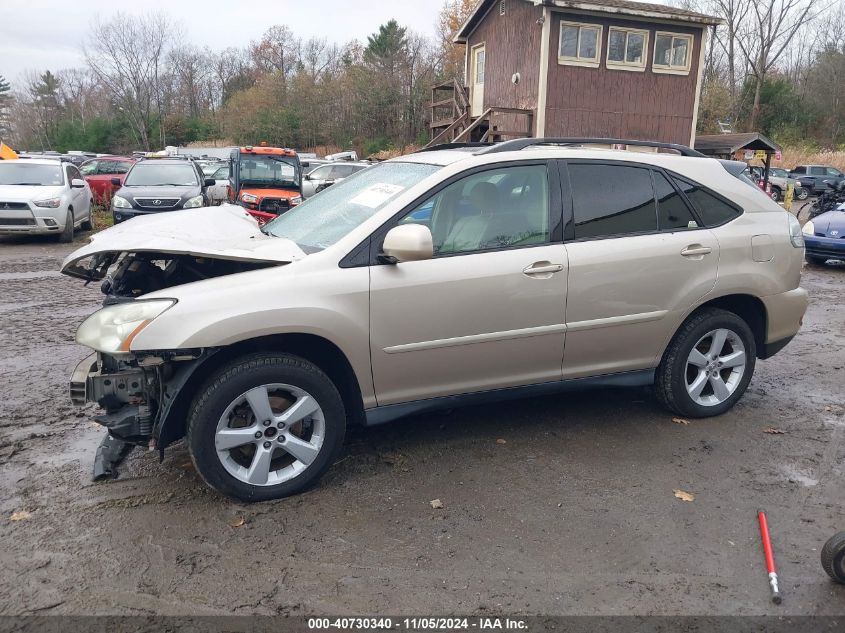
pixel 610 200
pixel 673 214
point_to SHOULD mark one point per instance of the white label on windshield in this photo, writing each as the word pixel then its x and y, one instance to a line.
pixel 376 194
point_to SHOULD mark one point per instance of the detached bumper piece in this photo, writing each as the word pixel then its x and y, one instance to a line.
pixel 110 454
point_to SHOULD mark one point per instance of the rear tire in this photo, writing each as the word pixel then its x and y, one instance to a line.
pixel 816 261
pixel 833 557
pixel 254 459
pixel 66 236
pixel 708 364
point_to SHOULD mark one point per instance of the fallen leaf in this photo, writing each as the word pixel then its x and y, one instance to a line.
pixel 772 431
pixel 680 421
pixel 501 441
pixel 437 504
pixel 20 515
pixel 684 496
pixel 237 521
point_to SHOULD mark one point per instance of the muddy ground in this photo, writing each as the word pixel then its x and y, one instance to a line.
pixel 560 505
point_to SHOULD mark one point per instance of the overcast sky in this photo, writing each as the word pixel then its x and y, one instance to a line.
pixel 42 34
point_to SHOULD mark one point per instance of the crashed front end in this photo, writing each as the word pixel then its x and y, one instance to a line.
pixel 137 264
pixel 136 392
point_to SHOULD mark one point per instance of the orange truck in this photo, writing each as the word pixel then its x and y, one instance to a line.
pixel 267 181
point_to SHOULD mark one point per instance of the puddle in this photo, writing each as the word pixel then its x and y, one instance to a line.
pixel 794 475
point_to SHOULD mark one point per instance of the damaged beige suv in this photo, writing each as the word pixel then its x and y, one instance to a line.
pixel 441 278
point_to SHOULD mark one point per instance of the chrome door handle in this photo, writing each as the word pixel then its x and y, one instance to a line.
pixel 542 268
pixel 696 250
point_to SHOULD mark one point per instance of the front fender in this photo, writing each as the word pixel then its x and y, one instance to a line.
pixel 329 302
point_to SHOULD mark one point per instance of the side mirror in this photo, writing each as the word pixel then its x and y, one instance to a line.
pixel 210 182
pixel 115 182
pixel 77 183
pixel 407 243
pixel 307 176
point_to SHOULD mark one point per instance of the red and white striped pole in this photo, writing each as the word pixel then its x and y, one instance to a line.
pixel 770 559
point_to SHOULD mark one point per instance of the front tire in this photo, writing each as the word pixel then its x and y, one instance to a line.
pixel 87 224
pixel 801 193
pixel 708 364
pixel 266 426
pixel 776 194
pixel 815 260
pixel 66 236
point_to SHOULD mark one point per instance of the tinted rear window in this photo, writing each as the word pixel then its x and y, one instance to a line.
pixel 672 212
pixel 712 210
pixel 611 200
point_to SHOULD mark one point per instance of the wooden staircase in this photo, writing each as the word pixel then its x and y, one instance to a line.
pixel 451 121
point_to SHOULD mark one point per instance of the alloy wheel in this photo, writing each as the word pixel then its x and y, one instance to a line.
pixel 715 367
pixel 270 434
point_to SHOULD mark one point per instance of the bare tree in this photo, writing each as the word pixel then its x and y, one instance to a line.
pixel 765 35
pixel 733 12
pixel 127 54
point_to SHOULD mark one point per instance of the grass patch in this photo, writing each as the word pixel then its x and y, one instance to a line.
pixel 101 217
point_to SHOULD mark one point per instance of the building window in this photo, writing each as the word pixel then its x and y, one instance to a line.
pixel 479 65
pixel 672 53
pixel 626 48
pixel 579 44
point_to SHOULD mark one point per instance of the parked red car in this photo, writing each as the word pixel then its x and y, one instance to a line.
pixel 98 173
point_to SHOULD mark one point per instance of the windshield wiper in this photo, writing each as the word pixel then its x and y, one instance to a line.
pixel 30 184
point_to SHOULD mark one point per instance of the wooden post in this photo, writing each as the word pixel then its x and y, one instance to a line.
pixel 766 171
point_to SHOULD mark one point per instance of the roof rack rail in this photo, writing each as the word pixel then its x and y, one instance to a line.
pixel 434 148
pixel 518 144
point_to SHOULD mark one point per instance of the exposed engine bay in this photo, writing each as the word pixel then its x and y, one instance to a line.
pixel 137 274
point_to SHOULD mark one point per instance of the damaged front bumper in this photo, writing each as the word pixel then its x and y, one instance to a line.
pixel 138 393
pixel 123 391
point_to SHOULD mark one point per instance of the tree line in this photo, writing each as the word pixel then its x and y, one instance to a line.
pixel 775 66
pixel 144 86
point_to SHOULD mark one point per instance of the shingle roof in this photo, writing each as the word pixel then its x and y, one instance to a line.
pixel 619 7
pixel 630 6
pixel 730 143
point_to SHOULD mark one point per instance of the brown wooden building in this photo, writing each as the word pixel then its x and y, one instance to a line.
pixel 562 68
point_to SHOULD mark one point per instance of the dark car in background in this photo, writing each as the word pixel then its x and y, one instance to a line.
pixel 816 178
pixel 100 172
pixel 824 237
pixel 154 185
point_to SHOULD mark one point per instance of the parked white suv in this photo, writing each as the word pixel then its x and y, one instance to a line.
pixel 429 281
pixel 43 196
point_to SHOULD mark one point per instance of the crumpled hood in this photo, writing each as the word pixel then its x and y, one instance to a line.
pixel 25 193
pixel 224 232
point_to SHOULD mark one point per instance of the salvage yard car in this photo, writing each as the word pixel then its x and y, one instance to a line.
pixel 158 184
pixel 100 174
pixel 437 279
pixel 43 196
pixel 824 237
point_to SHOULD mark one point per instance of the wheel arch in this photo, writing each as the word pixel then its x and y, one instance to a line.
pixel 747 307
pixel 311 347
